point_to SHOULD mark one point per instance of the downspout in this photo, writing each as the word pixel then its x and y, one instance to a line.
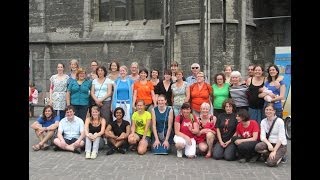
pixel 205 38
pixel 209 40
pixel 243 37
pixel 30 67
pixel 86 18
pixel 164 26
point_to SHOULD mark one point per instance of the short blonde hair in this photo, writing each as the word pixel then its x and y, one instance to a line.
pixel 80 70
pixel 205 105
pixel 235 74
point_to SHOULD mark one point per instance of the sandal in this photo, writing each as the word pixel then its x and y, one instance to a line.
pixel 36 147
pixel 45 147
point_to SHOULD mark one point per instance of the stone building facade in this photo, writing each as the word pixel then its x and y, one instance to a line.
pixel 212 33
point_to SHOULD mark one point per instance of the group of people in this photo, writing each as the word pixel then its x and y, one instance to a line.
pixel 132 112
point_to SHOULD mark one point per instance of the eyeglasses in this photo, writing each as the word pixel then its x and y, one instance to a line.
pixel 194 67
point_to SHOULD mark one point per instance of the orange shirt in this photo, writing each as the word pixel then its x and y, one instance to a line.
pixel 144 91
pixel 198 96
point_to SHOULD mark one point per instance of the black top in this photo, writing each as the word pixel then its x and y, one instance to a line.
pixel 117 130
pixel 227 124
pixel 93 129
pixel 254 101
pixel 160 89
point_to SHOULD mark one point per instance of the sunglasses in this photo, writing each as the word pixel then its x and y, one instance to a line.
pixel 194 67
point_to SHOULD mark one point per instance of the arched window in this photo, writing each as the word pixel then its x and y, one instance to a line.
pixel 121 10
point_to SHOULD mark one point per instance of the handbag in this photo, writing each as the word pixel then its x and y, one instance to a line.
pixel 160 150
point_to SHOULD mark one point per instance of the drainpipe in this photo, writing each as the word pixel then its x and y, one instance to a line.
pixel 30 67
pixel 205 38
pixel 165 34
pixel 209 40
pixel 243 37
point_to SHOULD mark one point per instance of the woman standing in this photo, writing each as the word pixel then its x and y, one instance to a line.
pixel 101 92
pixel 227 72
pixel 93 129
pixel 238 91
pixel 277 93
pixel 155 77
pixel 78 94
pixel 144 90
pixel 93 66
pixel 162 121
pixel 273 145
pixel 180 92
pixel 74 66
pixel 220 93
pixel 58 90
pixel 122 95
pixel 200 92
pixel 255 102
pixel 114 70
pixel 164 87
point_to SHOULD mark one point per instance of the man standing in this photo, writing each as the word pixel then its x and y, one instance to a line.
pixel 70 132
pixel 195 68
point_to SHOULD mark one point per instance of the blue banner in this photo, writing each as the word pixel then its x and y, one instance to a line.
pixel 283 61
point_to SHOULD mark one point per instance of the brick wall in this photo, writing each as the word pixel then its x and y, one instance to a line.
pixel 147 54
pixel 64 16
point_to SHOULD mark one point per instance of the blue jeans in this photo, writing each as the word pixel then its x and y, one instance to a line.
pixel 60 113
pixel 256 114
pixel 81 111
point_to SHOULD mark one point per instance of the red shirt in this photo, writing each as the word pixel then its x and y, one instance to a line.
pixel 186 122
pixel 248 131
pixel 208 125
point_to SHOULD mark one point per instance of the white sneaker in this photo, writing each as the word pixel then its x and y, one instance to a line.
pixel 93 155
pixel 179 153
pixel 88 155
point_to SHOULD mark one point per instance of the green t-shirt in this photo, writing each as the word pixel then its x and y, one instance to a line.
pixel 141 121
pixel 220 95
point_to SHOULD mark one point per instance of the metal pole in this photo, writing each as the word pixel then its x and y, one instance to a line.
pixel 30 67
pixel 243 37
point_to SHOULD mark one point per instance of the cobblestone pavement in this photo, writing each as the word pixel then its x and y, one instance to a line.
pixel 60 165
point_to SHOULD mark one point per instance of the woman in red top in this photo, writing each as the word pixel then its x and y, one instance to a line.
pixel 246 137
pixel 207 128
pixel 186 127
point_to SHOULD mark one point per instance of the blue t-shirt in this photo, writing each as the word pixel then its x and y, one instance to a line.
pixel 123 90
pixel 275 91
pixel 47 123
